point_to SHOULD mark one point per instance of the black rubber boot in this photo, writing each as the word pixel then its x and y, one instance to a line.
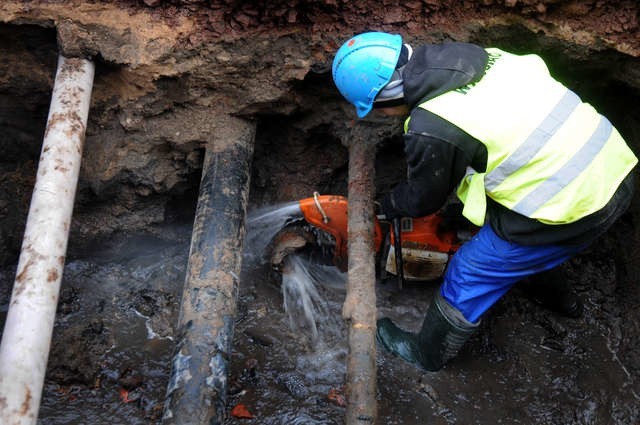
pixel 550 289
pixel 443 333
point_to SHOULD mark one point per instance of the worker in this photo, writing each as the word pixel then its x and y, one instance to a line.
pixel 541 172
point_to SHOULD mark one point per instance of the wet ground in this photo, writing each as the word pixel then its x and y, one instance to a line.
pixel 119 302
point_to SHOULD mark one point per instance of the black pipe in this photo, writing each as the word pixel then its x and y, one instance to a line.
pixel 197 388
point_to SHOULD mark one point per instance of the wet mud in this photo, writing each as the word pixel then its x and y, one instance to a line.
pixel 118 310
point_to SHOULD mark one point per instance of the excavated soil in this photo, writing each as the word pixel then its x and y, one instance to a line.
pixel 170 75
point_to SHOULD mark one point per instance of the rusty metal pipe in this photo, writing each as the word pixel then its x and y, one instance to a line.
pixel 28 329
pixel 197 388
pixel 359 309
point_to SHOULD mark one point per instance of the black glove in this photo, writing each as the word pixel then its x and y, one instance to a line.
pixel 388 209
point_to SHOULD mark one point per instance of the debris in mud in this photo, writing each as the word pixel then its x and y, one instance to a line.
pixel 248 378
pixel 336 396
pixel 68 392
pixel 294 384
pixel 251 366
pixel 129 396
pixel 260 336
pixel 240 411
pixel 130 379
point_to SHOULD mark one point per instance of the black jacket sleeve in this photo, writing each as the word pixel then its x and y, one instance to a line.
pixel 438 154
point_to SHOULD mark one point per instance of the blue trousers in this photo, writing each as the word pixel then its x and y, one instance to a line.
pixel 486 267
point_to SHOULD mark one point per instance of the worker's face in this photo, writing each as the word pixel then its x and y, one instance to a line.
pixel 394 111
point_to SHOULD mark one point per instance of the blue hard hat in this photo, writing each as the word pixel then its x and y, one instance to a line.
pixel 364 65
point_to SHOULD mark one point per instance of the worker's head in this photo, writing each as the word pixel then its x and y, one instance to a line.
pixel 367 70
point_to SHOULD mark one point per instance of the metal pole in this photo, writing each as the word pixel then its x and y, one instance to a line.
pixel 359 308
pixel 27 333
pixel 197 389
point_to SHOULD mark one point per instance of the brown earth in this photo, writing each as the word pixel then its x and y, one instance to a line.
pixel 169 72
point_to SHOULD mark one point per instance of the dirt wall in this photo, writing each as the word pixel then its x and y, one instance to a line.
pixel 167 69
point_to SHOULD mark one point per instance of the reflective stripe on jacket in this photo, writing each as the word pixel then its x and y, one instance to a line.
pixel 551 157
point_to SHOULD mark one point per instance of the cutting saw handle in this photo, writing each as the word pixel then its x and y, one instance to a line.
pixel 397 233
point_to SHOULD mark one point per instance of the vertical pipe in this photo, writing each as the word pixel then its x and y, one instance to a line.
pixel 197 388
pixel 359 308
pixel 27 333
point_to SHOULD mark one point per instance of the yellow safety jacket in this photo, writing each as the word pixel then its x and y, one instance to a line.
pixel 551 157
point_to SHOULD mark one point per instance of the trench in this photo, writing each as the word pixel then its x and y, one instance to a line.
pixel 115 324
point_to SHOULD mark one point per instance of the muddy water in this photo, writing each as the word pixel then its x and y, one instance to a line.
pixel 112 344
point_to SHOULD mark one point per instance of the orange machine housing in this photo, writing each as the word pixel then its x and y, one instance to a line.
pixel 329 213
pixel 429 233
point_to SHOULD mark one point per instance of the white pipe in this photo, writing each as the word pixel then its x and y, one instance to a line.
pixel 27 333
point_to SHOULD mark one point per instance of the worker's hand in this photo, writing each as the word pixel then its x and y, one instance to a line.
pixel 387 208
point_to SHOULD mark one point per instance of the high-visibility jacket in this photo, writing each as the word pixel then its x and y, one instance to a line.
pixel 551 157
